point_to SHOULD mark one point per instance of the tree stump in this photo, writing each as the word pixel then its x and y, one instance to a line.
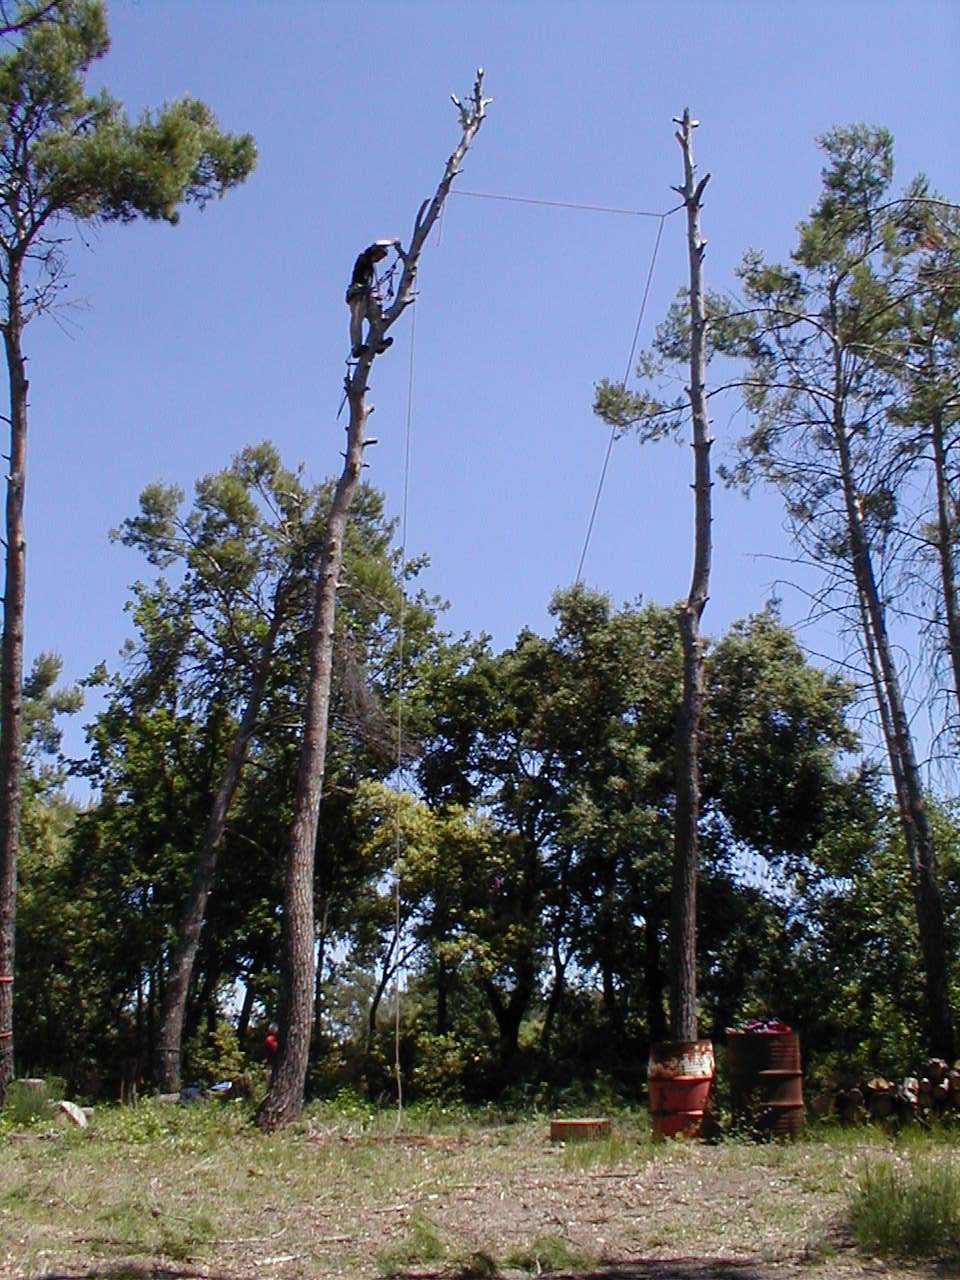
pixel 580 1130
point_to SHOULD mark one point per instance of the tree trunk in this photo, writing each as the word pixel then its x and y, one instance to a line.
pixel 318 975
pixel 509 1016
pixel 191 921
pixel 11 679
pixel 611 1005
pixel 683 932
pixel 243 1021
pixel 653 980
pixel 389 969
pixel 284 1101
pixel 555 999
pixel 911 801
pixel 946 536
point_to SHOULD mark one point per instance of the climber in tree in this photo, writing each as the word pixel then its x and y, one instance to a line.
pixel 363 295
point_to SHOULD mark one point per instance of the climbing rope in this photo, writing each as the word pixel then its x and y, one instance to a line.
pixel 564 204
pixel 401 678
pixel 633 349
pixel 401 619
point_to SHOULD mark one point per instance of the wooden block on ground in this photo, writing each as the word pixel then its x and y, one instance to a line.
pixel 579 1130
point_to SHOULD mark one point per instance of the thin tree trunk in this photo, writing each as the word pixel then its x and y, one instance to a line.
pixel 611 1005
pixel 946 537
pixel 191 922
pixel 555 999
pixel 11 680
pixel 389 969
pixel 653 980
pixel 243 1021
pixel 683 933
pixel 886 726
pixel 911 801
pixel 509 1014
pixel 284 1101
pixel 318 976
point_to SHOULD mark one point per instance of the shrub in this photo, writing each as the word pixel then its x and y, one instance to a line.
pixel 215 1055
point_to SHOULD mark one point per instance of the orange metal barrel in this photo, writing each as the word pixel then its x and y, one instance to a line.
pixel 680 1076
pixel 766 1081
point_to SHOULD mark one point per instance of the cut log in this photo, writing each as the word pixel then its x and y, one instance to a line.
pixel 586 1129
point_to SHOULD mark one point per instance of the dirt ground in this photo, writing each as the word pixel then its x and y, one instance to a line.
pixel 486 1204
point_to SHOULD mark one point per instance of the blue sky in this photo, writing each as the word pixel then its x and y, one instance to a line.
pixel 183 344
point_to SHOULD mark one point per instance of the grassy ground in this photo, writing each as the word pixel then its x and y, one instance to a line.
pixel 196 1191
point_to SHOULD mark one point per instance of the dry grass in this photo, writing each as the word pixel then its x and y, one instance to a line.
pixel 197 1192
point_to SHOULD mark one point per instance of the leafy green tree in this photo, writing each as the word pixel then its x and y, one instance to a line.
pixel 566 745
pixel 820 338
pixel 244 550
pixel 925 440
pixel 17 16
pixel 68 156
pixel 47 821
pixel 234 567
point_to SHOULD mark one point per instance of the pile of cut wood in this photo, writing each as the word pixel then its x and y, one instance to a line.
pixel 935 1093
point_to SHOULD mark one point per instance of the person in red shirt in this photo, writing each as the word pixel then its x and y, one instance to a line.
pixel 272 1043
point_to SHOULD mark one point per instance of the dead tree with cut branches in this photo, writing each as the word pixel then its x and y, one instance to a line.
pixel 683 932
pixel 284 1100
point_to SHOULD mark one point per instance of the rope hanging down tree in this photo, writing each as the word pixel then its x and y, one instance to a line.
pixel 633 351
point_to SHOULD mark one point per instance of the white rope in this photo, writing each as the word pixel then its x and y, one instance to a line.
pixel 613 431
pixel 401 680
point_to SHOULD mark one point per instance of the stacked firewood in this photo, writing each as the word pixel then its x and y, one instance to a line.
pixel 936 1093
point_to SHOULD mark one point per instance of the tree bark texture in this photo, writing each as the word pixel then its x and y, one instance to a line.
pixel 11 682
pixel 284 1100
pixel 180 970
pixel 908 784
pixel 683 933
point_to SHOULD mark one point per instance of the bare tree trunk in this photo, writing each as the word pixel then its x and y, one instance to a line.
pixel 243 1021
pixel 11 681
pixel 557 991
pixel 653 979
pixel 683 933
pixel 284 1101
pixel 191 921
pixel 390 967
pixel 911 801
pixel 946 536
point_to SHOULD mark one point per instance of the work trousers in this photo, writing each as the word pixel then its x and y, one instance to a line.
pixel 363 306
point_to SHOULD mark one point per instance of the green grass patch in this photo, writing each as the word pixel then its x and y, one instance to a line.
pixel 909 1206
pixel 420 1243
pixel 28 1105
pixel 546 1254
pixel 622 1147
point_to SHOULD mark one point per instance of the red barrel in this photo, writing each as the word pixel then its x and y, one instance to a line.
pixel 766 1082
pixel 680 1076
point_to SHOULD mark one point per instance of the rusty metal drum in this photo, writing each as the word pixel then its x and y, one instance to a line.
pixel 766 1082
pixel 679 1077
